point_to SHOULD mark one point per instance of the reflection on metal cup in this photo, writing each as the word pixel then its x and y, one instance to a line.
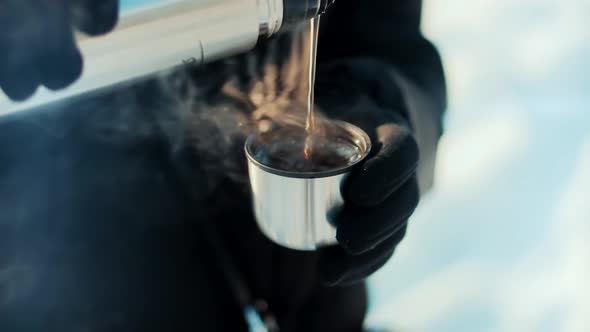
pixel 293 208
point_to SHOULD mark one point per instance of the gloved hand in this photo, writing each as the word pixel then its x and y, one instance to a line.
pixel 37 41
pixel 381 194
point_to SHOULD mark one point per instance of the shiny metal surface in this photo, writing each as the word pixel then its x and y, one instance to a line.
pixel 270 13
pixel 293 209
pixel 160 37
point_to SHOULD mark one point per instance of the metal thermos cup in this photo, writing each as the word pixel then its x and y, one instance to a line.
pixel 156 35
pixel 293 209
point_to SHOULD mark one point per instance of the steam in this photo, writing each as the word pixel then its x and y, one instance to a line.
pixel 209 111
pixel 260 91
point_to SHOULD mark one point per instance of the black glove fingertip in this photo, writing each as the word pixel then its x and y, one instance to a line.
pixel 342 218
pixel 339 269
pixel 357 246
pixel 95 17
pixel 395 161
pixel 350 243
pixel 330 281
pixel 331 266
pixel 20 86
pixel 359 191
pixel 58 71
pixel 20 93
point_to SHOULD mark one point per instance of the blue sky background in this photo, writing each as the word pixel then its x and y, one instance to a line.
pixel 127 5
pixel 501 243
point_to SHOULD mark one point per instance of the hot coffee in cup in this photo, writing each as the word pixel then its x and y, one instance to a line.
pixel 285 149
pixel 295 188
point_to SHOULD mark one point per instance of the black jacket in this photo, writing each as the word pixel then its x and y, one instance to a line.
pixel 102 201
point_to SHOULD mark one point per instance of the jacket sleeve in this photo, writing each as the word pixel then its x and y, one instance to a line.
pixel 383 38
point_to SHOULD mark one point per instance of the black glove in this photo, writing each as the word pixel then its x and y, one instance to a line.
pixel 382 193
pixel 37 45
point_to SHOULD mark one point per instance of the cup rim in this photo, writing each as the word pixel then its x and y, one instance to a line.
pixel 354 130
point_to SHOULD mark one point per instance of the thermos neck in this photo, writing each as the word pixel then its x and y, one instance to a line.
pixel 299 10
pixel 280 14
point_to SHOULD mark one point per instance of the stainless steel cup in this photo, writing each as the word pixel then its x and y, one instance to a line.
pixel 293 208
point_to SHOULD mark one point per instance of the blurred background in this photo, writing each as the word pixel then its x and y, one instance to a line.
pixel 501 243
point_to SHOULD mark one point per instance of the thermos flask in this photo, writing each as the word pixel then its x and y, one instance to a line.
pixel 164 34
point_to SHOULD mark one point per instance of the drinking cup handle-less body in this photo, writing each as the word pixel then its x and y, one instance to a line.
pixel 294 209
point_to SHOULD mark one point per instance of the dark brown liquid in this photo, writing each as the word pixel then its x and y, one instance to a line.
pixel 281 149
pixel 310 125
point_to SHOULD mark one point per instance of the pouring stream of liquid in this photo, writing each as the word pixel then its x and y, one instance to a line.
pixel 310 125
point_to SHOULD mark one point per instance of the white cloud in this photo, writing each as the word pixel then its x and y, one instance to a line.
pixel 434 298
pixel 498 44
pixel 543 46
pixel 555 274
pixel 490 46
pixel 473 153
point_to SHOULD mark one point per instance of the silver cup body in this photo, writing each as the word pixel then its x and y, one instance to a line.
pixel 294 209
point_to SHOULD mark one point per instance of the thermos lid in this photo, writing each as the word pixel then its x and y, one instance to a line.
pixel 296 11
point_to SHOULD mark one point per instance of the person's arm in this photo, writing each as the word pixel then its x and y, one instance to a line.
pixel 382 40
pixel 376 70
